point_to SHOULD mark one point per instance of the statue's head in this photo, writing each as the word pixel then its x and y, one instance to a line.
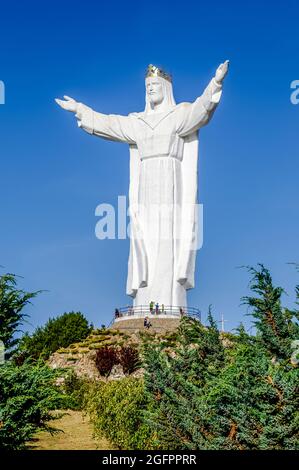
pixel 154 90
pixel 158 89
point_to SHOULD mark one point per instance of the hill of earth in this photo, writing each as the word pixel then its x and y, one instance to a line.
pixel 81 356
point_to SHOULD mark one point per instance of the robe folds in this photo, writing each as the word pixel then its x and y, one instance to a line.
pixel 162 194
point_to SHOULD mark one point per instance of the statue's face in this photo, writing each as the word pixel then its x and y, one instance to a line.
pixel 154 90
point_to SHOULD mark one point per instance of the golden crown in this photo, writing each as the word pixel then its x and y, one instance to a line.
pixel 153 71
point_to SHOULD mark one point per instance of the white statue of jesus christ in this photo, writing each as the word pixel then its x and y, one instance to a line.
pixel 163 144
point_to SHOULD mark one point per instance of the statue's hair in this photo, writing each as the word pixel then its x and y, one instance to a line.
pixel 167 93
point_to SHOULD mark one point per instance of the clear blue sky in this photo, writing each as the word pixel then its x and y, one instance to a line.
pixel 53 175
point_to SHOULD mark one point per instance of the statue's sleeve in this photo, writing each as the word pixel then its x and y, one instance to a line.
pixel 108 126
pixel 192 116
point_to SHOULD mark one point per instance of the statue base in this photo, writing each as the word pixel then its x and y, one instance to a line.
pixel 158 324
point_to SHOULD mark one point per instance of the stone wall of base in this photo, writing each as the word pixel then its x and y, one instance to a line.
pixel 158 325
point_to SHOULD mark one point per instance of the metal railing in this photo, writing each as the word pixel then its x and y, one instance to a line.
pixel 159 311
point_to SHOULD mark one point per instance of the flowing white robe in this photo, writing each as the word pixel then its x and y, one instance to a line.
pixel 163 193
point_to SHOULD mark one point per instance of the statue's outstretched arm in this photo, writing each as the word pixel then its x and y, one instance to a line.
pixel 108 126
pixel 192 117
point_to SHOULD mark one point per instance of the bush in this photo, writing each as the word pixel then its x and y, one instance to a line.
pixel 57 333
pixel 75 389
pixel 240 397
pixel 27 395
pixel 116 410
pixel 109 356
pixel 106 358
pixel 12 303
pixel 129 359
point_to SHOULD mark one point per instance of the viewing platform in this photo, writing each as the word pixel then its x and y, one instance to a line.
pixel 161 319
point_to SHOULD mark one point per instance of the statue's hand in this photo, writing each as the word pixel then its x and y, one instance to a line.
pixel 221 71
pixel 69 104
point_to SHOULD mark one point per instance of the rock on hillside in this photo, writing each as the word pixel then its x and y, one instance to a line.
pixel 81 356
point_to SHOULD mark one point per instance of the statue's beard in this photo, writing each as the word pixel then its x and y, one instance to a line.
pixel 156 102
